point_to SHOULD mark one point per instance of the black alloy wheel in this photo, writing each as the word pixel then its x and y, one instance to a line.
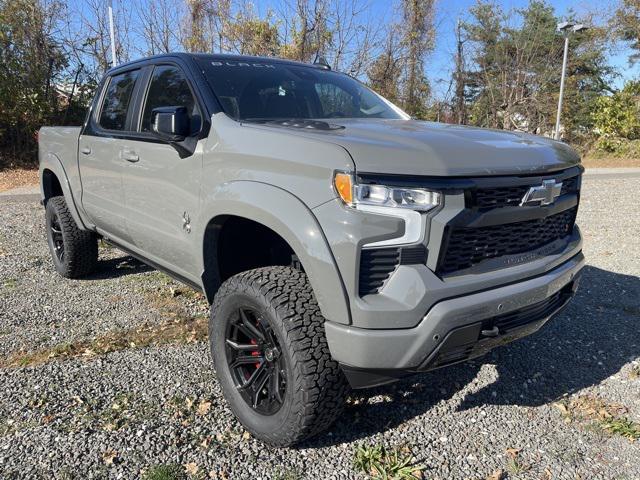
pixel 57 240
pixel 271 356
pixel 74 251
pixel 255 360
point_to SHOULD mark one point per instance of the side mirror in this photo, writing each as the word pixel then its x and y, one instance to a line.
pixel 170 123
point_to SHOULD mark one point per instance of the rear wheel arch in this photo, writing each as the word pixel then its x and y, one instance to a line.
pixel 51 186
pixel 55 183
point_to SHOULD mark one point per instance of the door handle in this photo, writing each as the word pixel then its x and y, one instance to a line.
pixel 130 156
pixel 85 150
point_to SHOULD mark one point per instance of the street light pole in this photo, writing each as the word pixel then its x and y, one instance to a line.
pixel 567 28
pixel 112 34
pixel 564 71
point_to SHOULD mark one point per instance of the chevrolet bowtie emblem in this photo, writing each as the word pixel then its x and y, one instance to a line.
pixel 544 194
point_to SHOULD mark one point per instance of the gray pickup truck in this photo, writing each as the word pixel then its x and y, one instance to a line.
pixel 340 243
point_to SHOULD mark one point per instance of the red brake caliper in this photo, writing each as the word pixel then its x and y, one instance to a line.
pixel 255 353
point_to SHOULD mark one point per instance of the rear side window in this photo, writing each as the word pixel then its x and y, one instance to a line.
pixel 169 88
pixel 113 115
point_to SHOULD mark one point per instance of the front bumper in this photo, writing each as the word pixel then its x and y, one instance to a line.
pixel 453 330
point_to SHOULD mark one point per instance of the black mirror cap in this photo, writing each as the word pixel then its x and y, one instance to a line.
pixel 170 123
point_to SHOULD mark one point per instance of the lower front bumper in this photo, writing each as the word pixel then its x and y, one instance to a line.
pixel 453 330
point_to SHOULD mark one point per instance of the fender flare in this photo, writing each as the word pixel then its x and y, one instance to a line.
pixel 52 163
pixel 290 218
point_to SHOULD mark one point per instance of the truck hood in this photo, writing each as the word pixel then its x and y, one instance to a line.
pixel 414 147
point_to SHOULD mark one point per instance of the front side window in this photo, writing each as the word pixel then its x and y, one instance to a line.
pixel 254 90
pixel 169 88
pixel 113 115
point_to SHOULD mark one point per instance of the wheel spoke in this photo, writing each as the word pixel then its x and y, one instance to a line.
pixel 241 347
pixel 275 385
pixel 259 385
pixel 253 331
pixel 253 378
pixel 253 356
pixel 246 360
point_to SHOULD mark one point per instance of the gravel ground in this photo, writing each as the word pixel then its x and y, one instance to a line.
pixel 117 415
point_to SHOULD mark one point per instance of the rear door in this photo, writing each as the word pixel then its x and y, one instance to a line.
pixel 101 157
pixel 161 188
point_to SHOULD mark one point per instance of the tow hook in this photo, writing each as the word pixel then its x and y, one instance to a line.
pixel 494 332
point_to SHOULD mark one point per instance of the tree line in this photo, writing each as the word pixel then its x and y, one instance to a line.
pixel 505 65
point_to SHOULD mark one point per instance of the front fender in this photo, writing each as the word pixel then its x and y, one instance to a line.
pixel 290 218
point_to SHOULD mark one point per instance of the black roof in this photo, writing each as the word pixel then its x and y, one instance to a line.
pixel 222 57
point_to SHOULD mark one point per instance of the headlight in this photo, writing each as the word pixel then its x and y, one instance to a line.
pixel 354 194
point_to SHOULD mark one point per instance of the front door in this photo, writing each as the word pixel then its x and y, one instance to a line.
pixel 100 156
pixel 161 189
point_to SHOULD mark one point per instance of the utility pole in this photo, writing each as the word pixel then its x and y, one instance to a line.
pixel 562 75
pixel 459 77
pixel 114 60
pixel 567 28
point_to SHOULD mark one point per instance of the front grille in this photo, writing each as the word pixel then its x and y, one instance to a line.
pixel 496 197
pixel 467 247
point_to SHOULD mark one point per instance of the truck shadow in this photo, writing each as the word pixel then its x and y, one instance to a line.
pixel 595 336
pixel 118 267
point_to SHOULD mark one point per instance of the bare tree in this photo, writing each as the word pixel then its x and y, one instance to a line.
pixel 459 77
pixel 196 38
pixel 385 71
pixel 94 28
pixel 418 39
pixel 305 29
pixel 354 35
pixel 157 25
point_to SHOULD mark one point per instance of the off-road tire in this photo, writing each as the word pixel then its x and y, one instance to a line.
pixel 316 388
pixel 80 247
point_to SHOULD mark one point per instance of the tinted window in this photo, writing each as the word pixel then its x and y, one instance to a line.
pixel 116 101
pixel 270 91
pixel 169 88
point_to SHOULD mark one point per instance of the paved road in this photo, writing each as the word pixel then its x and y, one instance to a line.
pixel 534 409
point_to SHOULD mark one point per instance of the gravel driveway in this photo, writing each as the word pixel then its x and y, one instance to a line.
pixel 554 405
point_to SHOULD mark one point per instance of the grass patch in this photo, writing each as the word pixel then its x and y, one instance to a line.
pixel 621 426
pixel 165 472
pixel 283 474
pixel 382 463
pixel 600 416
pixel 515 464
pixel 176 330
pixel 10 283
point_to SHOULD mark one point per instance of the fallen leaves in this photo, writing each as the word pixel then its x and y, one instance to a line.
pixel 203 408
pixel 178 330
pixel 191 468
pixel 589 407
pixel 109 457
pixel 609 417
pixel 513 452
pixel 497 475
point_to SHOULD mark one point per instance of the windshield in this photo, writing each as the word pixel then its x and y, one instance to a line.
pixel 260 90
